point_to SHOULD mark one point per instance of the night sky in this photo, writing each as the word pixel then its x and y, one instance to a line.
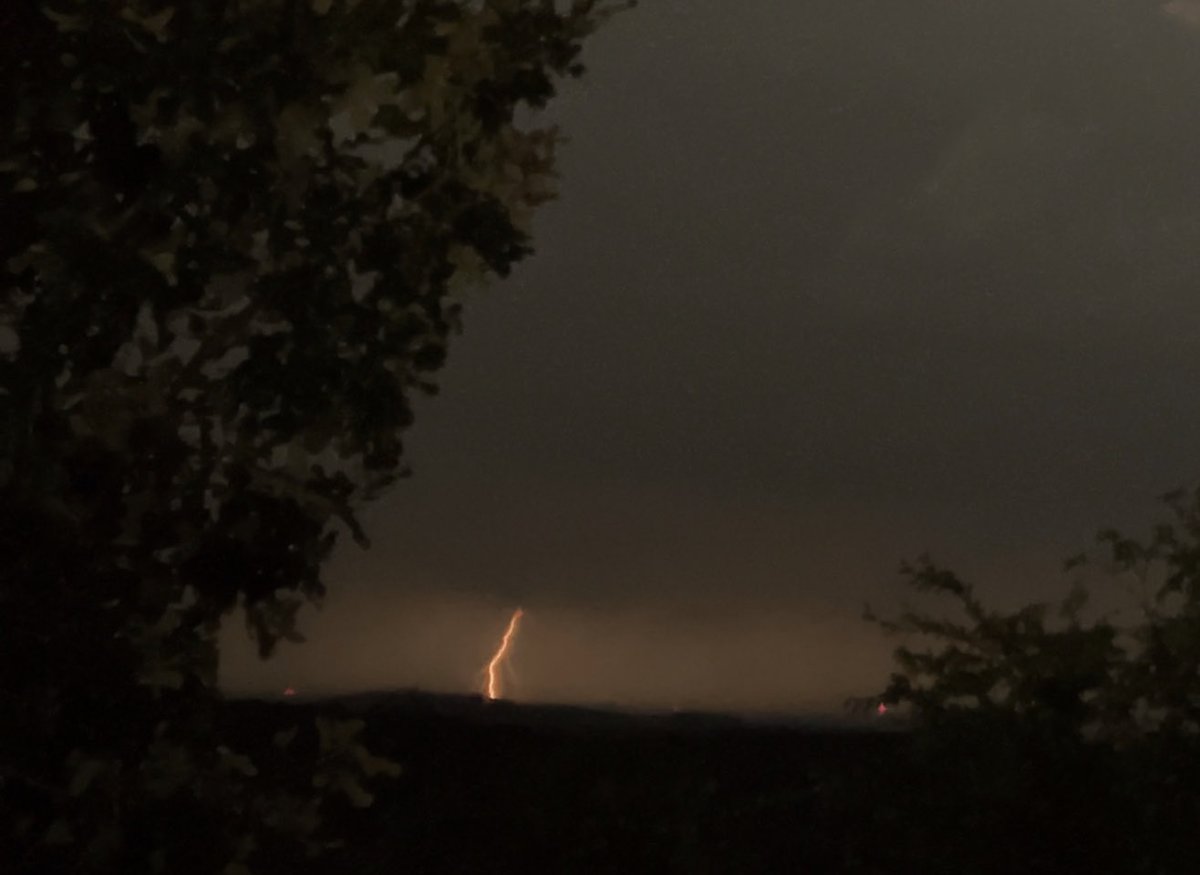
pixel 829 283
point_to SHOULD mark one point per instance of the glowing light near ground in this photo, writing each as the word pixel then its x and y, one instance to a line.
pixel 492 689
pixel 882 709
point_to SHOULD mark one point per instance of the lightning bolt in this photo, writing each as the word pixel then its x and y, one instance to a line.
pixel 492 689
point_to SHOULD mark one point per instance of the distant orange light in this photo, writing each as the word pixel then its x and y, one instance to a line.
pixel 492 690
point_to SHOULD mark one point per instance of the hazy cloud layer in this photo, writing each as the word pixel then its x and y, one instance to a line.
pixel 830 283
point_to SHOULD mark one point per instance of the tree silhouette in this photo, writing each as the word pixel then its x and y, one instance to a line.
pixel 1097 678
pixel 233 235
pixel 1033 727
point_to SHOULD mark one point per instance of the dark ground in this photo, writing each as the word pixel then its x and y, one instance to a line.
pixel 498 787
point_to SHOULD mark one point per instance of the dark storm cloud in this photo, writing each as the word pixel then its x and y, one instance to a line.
pixel 843 249
pixel 829 283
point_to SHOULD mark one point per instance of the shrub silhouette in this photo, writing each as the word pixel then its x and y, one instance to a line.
pixel 1043 740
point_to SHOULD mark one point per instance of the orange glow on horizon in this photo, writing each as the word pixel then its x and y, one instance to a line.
pixel 492 690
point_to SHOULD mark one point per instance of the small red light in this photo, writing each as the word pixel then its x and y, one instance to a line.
pixel 289 691
pixel 882 709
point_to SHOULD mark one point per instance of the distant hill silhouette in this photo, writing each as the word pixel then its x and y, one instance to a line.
pixel 500 786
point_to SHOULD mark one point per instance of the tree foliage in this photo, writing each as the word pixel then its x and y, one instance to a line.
pixel 1098 677
pixel 1038 726
pixel 232 239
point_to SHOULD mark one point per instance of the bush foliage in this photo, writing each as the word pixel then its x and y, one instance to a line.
pixel 1049 738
